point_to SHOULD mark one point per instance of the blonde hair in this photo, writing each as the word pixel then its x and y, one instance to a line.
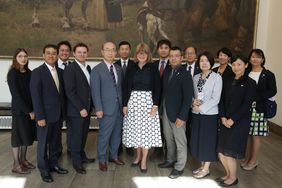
pixel 142 47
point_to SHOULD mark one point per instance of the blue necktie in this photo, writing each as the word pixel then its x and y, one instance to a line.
pixel 113 74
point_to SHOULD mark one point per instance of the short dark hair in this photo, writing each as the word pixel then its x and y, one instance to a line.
pixel 50 46
pixel 80 44
pixel 226 51
pixel 64 42
pixel 164 41
pixel 242 57
pixel 124 43
pixel 258 52
pixel 174 48
pixel 194 47
pixel 209 56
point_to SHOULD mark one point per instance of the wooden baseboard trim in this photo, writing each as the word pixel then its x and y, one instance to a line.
pixel 275 128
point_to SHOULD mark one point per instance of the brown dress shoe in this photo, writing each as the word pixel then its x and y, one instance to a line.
pixel 117 161
pixel 20 170
pixel 28 165
pixel 103 166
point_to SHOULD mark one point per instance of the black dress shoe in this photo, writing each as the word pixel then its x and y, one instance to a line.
pixel 59 170
pixel 143 171
pixel 117 161
pixel 46 177
pixel 219 179
pixel 80 170
pixel 166 164
pixel 222 184
pixel 175 173
pixel 88 160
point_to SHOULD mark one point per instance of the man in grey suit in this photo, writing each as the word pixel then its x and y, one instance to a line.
pixel 105 81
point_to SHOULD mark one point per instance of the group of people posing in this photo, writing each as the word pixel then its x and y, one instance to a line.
pixel 218 113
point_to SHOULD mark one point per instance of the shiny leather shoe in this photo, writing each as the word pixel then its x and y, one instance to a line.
pixel 222 184
pixel 143 171
pixel 175 173
pixel 46 177
pixel 250 167
pixel 88 160
pixel 80 170
pixel 103 167
pixel 166 164
pixel 28 165
pixel 20 170
pixel 59 170
pixel 201 174
pixel 135 164
pixel 117 161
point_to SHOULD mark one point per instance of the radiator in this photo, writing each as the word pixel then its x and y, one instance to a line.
pixel 6 123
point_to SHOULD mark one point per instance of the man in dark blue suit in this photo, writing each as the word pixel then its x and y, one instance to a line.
pixel 124 50
pixel 163 48
pixel 79 106
pixel 177 99
pixel 47 91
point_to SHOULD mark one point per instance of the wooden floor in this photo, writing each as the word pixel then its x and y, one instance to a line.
pixel 267 175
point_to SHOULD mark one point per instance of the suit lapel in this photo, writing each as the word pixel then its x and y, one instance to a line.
pixel 50 77
pixel 80 72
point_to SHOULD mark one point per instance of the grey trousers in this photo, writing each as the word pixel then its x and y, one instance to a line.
pixel 176 142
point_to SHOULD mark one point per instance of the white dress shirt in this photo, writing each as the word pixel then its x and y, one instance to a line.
pixel 114 69
pixel 84 69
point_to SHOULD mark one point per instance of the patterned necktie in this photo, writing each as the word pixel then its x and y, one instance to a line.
pixel 113 74
pixel 190 69
pixel 162 68
pixel 124 67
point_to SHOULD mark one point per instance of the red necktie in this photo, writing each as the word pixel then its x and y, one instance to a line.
pixel 162 68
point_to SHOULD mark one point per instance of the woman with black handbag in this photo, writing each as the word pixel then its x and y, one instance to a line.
pixel 265 91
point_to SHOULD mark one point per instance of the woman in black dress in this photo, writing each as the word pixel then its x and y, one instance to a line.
pixel 141 93
pixel 235 114
pixel 23 130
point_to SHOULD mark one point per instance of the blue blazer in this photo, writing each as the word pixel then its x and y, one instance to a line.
pixel 105 94
pixel 177 93
pixel 48 103
pixel 77 90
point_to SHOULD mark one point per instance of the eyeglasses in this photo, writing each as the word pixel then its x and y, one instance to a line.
pixel 110 50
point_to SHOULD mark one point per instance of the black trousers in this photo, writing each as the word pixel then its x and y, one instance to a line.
pixel 47 147
pixel 77 133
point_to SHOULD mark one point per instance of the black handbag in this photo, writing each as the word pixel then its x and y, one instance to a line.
pixel 270 109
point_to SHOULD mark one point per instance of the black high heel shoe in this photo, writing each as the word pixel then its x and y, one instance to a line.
pixel 143 171
pixel 222 184
pixel 135 164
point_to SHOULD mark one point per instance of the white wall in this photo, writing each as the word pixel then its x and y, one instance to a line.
pixel 5 95
pixel 269 40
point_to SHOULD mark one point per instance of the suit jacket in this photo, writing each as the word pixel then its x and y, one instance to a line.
pixel 105 94
pixel 177 93
pixel 156 67
pixel 129 64
pixel 227 72
pixel 19 87
pixel 197 68
pixel 266 88
pixel 237 98
pixel 48 103
pixel 77 90
pixel 212 92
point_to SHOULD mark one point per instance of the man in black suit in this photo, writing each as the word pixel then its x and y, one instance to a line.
pixel 47 91
pixel 163 48
pixel 79 105
pixel 124 50
pixel 64 48
pixel 190 54
pixel 177 98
